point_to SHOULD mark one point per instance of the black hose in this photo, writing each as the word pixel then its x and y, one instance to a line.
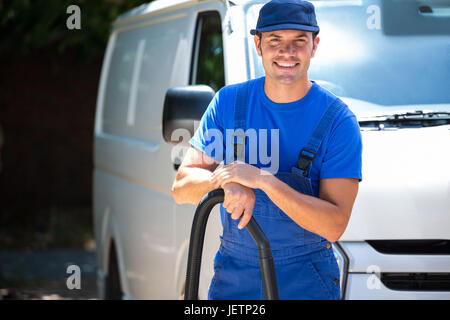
pixel 196 248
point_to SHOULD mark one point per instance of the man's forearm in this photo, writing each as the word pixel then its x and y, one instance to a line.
pixel 311 213
pixel 191 184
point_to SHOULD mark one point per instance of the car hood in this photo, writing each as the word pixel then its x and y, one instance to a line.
pixel 405 191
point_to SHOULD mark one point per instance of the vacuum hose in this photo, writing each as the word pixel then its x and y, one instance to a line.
pixel 196 248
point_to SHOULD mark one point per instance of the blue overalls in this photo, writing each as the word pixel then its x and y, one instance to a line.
pixel 305 265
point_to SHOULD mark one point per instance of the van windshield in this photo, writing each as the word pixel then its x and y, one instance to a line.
pixel 384 53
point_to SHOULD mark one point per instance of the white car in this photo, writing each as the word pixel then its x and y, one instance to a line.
pixel 388 60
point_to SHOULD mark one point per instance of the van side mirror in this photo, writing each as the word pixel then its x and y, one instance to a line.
pixel 182 107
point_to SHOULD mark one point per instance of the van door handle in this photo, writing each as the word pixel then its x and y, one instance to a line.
pixel 433 12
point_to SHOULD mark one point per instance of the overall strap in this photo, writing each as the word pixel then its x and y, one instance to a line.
pixel 308 153
pixel 240 116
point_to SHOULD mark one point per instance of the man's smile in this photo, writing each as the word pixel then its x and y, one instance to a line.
pixel 286 65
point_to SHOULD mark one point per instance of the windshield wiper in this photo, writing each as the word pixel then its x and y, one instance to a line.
pixel 414 119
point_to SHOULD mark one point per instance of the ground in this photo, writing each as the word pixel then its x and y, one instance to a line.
pixel 51 290
pixel 35 259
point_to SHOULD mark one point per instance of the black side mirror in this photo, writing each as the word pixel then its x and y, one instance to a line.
pixel 182 107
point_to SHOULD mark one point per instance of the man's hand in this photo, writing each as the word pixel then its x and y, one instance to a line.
pixel 239 172
pixel 239 201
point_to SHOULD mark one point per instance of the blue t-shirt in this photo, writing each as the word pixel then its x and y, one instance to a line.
pixel 284 128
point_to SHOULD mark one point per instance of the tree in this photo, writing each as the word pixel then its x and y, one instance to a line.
pixel 28 25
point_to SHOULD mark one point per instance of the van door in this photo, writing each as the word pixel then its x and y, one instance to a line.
pixel 132 164
pixel 207 68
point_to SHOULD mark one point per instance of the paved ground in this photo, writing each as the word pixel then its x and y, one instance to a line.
pixel 44 275
pixel 51 290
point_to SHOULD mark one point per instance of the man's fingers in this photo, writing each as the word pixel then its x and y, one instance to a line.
pixel 230 200
pixel 227 204
pixel 248 212
pixel 222 179
pixel 237 212
pixel 239 202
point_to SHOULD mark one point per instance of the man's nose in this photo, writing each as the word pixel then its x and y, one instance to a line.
pixel 287 48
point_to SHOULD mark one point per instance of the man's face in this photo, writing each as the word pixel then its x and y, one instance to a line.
pixel 286 54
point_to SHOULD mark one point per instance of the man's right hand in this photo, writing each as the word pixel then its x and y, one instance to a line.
pixel 239 201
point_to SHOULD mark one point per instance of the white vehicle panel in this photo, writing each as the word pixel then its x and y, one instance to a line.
pixel 363 257
pixel 362 286
pixel 406 192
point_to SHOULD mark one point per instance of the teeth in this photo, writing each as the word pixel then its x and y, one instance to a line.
pixel 286 64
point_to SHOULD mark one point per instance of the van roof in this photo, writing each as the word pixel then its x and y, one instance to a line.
pixel 151 7
pixel 160 5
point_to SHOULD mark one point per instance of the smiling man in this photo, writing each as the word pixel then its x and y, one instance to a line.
pixel 306 204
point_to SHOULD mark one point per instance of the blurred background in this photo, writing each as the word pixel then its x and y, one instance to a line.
pixel 49 77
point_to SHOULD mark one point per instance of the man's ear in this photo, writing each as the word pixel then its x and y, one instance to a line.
pixel 315 44
pixel 257 44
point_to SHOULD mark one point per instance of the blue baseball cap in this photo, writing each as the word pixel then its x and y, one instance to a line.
pixel 286 14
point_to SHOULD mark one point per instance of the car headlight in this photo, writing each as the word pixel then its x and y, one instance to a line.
pixel 342 261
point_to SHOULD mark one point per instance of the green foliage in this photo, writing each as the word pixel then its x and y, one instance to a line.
pixel 28 25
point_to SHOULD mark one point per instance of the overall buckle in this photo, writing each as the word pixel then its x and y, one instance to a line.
pixel 239 146
pixel 305 158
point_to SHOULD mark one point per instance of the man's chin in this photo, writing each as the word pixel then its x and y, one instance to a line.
pixel 287 79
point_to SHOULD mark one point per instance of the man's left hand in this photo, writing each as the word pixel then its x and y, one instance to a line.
pixel 239 172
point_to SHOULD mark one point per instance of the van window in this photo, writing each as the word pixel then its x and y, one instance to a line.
pixel 145 62
pixel 393 62
pixel 207 62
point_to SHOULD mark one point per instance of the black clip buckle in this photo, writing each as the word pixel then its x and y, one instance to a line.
pixel 239 146
pixel 304 159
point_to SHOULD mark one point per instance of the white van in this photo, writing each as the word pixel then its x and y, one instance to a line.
pixel 388 60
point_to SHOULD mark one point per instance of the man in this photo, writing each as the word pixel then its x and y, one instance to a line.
pixel 303 205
